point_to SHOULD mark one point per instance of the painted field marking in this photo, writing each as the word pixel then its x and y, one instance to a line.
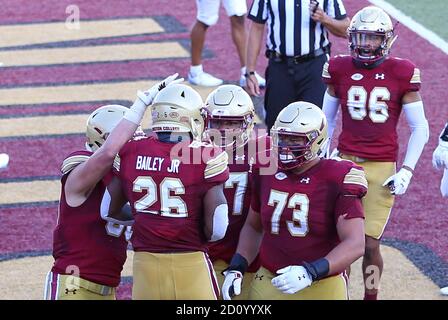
pixel 103 53
pixel 39 33
pixel 29 191
pixel 105 91
pixel 413 25
pixel 50 125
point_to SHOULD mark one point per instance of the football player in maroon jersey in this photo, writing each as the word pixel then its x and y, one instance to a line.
pixel 372 89
pixel 89 252
pixel 174 183
pixel 305 220
pixel 229 124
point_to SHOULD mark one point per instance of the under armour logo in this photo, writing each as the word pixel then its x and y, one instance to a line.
pixel 259 277
pixel 305 180
pixel 379 76
pixel 71 291
pixel 240 157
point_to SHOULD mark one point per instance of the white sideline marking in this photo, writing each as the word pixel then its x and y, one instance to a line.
pixel 413 25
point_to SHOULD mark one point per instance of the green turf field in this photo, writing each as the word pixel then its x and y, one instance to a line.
pixel 430 13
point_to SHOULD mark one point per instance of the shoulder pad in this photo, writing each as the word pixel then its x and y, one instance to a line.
pixel 216 165
pixel 72 161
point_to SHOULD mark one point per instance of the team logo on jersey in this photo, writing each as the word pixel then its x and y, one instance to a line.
pixel 357 76
pixel 242 157
pixel 305 180
pixel 280 176
pixel 379 76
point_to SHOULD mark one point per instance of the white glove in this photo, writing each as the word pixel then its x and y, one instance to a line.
pixel 440 156
pixel 399 182
pixel 232 284
pixel 145 98
pixel 292 279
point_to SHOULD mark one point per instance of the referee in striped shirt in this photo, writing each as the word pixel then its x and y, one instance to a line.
pixel 297 47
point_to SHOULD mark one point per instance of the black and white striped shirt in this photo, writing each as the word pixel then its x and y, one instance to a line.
pixel 291 31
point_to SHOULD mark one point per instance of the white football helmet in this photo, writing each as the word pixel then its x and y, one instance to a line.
pixel 299 121
pixel 230 103
pixel 178 108
pixel 370 25
pixel 100 124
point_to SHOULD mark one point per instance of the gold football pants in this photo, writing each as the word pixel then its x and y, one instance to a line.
pixel 331 288
pixel 68 287
pixel 173 276
pixel 378 201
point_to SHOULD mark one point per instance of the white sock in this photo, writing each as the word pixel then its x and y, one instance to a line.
pixel 196 70
pixel 243 70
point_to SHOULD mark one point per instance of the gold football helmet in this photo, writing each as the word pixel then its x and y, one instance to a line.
pixel 100 124
pixel 299 134
pixel 178 108
pixel 371 35
pixel 230 110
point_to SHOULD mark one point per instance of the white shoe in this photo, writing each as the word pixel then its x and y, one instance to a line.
pixel 444 291
pixel 4 159
pixel 260 79
pixel 204 79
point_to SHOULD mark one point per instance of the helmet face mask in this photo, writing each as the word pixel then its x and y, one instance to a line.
pixel 229 115
pixel 371 35
pixel 368 46
pixel 299 135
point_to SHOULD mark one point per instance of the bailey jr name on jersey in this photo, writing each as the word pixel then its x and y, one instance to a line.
pixel 155 164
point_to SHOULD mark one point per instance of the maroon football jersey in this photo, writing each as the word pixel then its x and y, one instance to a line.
pixel 83 241
pixel 165 184
pixel 371 104
pixel 237 190
pixel 299 213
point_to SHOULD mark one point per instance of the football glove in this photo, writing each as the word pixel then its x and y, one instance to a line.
pixel 292 279
pixel 399 182
pixel 440 156
pixel 145 99
pixel 232 284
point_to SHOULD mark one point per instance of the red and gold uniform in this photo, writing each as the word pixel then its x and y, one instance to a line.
pixel 299 214
pixel 237 190
pixel 371 103
pixel 89 252
pixel 165 184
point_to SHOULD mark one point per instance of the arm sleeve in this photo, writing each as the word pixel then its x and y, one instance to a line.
pixel 444 184
pixel 330 107
pixel 258 11
pixel 415 116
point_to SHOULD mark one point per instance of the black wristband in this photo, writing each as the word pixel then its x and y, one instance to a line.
pixel 250 73
pixel 317 269
pixel 238 263
pixel 444 135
